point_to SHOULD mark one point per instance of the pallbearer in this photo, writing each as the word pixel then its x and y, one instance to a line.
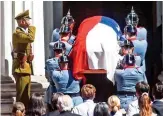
pixel 64 32
pixel 50 66
pixel 65 82
pixel 140 46
pixel 126 80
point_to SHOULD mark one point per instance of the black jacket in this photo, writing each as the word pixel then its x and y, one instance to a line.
pixel 158 107
pixel 67 113
pixel 54 113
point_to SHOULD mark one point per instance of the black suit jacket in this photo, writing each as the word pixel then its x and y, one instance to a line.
pixel 158 107
pixel 54 113
pixel 67 113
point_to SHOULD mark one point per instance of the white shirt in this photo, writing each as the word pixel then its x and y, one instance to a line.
pixel 118 113
pixel 25 30
pixel 85 109
pixel 133 108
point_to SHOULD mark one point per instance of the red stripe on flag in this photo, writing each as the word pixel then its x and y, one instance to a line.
pixel 79 52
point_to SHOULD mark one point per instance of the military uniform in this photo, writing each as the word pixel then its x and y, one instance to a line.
pixel 65 28
pixel 55 35
pixel 66 83
pixel 126 79
pixel 68 46
pixel 140 48
pixel 68 43
pixel 51 65
pixel 22 58
pixel 132 19
pixel 141 34
pixel 140 43
pixel 127 46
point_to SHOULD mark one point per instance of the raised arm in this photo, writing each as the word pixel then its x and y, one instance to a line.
pixel 23 37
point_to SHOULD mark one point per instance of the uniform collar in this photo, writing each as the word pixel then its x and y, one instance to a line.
pixel 65 68
pixel 57 56
pixel 25 30
pixel 129 67
pixel 64 40
pixel 132 38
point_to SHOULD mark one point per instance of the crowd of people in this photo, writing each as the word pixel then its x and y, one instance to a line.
pixel 65 96
pixel 63 104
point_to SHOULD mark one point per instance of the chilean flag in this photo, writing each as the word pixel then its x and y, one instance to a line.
pixel 96 46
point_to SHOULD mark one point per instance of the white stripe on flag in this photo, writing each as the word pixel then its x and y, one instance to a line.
pixel 102 49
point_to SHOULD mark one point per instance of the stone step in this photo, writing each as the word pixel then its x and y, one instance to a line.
pixel 6 114
pixel 7 103
pixel 13 94
pixel 6 79
pixel 7 100
pixel 6 106
pixel 9 90
pixel 12 86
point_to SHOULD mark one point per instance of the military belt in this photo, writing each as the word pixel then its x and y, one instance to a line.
pixel 72 94
pixel 126 93
pixel 22 74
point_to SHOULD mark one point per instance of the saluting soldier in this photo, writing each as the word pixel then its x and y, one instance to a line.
pixel 51 65
pixel 22 56
pixel 70 22
pixel 133 19
pixel 126 80
pixel 140 46
pixel 65 82
pixel 128 48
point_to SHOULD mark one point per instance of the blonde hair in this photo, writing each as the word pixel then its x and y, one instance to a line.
pixel 114 103
pixel 18 109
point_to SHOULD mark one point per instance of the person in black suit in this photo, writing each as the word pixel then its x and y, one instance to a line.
pixel 157 104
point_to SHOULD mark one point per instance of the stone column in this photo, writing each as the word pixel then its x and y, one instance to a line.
pixel 2 39
pixel 7 28
pixel 48 25
pixel 159 22
pixel 38 46
pixel 53 12
pixel 9 9
pixel 57 13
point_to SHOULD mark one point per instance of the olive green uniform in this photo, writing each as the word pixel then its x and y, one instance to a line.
pixel 22 70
